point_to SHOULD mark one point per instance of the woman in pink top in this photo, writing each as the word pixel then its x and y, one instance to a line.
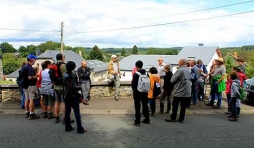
pixel 134 70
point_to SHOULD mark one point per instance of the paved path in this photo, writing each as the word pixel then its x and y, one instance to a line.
pixel 125 106
pixel 116 131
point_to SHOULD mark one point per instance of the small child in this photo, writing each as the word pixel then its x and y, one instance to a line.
pixel 234 95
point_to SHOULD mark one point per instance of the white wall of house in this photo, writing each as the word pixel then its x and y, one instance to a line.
pixel 127 77
pixel 99 76
pixel 215 56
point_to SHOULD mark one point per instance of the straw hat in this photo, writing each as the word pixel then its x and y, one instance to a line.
pixel 220 60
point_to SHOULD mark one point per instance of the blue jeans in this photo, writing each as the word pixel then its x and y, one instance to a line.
pixel 75 105
pixel 23 98
pixel 201 90
pixel 194 92
pixel 214 92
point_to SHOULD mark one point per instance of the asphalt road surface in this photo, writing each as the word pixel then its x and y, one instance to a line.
pixel 117 131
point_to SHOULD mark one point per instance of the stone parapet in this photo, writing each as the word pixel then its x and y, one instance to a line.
pixel 99 90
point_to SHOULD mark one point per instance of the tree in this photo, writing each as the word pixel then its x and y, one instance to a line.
pixel 22 49
pixel 134 50
pixel 11 63
pixel 96 53
pixel 7 48
pixel 250 68
pixel 49 45
pixel 123 52
pixel 82 49
pixel 229 62
pixel 31 49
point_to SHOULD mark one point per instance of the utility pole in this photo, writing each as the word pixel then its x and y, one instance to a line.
pixel 61 49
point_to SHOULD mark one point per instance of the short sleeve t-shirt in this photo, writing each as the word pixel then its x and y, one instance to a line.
pixel 220 70
pixel 31 72
pixel 115 67
pixel 161 71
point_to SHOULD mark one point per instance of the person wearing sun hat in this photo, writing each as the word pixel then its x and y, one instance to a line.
pixel 30 90
pixel 114 74
pixel 218 82
pixel 241 66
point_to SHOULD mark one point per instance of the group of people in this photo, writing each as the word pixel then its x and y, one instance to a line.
pixel 54 85
pixel 185 87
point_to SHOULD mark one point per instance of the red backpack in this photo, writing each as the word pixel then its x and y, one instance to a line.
pixel 55 73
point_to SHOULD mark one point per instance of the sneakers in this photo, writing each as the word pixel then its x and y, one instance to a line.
pixel 57 120
pixel 33 116
pixel 116 98
pixel 27 115
pixel 50 116
pixel 45 115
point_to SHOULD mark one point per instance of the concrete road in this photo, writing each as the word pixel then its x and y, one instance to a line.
pixel 117 131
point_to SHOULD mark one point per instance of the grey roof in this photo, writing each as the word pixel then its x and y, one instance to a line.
pixel 205 53
pixel 96 65
pixel 128 63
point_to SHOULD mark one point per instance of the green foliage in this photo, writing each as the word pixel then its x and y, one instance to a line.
pixel 49 45
pixel 154 51
pixel 134 50
pixel 123 52
pixel 82 49
pixel 96 53
pixel 250 69
pixel 229 62
pixel 7 48
pixel 11 63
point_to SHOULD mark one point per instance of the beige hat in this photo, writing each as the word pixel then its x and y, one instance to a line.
pixel 220 60
pixel 113 56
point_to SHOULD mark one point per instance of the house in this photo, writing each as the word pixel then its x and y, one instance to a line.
pixel 98 68
pixel 206 53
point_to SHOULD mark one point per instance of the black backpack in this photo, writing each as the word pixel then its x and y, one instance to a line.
pixel 22 79
pixel 156 89
pixel 55 73
pixel 70 85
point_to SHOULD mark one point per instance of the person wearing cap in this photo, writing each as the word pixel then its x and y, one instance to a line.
pixel 218 83
pixel 241 66
pixel 30 90
pixel 114 74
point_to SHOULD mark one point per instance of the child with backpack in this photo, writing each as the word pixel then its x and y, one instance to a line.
pixel 140 86
pixel 72 97
pixel 234 95
pixel 155 88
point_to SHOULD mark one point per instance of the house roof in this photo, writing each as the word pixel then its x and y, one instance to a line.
pixel 149 61
pixel 205 53
pixel 96 65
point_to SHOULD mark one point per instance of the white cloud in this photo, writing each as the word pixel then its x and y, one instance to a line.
pixel 94 15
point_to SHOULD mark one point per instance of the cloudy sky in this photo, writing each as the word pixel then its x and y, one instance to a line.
pixel 90 22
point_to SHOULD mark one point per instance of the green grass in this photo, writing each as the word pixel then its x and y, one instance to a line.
pixel 6 82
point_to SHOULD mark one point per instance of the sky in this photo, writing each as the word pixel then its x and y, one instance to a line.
pixel 90 22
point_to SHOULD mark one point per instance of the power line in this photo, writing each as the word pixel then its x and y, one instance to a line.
pixel 176 14
pixel 169 23
pixel 27 30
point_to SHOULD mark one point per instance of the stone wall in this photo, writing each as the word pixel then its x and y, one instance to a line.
pixel 99 90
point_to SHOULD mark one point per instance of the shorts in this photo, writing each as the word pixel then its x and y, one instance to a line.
pixel 48 100
pixel 59 96
pixel 32 92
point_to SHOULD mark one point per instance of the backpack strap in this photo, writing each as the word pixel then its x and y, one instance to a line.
pixel 138 73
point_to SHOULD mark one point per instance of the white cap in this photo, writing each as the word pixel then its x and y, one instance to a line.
pixel 113 56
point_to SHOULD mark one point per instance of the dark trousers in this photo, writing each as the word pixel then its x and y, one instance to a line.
pixel 201 92
pixel 233 107
pixel 165 95
pixel 138 99
pixel 229 102
pixel 175 104
pixel 75 106
pixel 153 105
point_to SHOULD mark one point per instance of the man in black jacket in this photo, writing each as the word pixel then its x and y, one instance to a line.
pixel 140 96
pixel 85 81
pixel 167 89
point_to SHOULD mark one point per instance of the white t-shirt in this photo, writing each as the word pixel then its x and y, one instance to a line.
pixel 161 71
pixel 115 67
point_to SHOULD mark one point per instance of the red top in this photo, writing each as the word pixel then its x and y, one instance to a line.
pixel 39 80
pixel 242 77
pixel 228 86
pixel 134 70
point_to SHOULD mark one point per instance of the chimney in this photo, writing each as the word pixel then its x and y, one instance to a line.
pixel 200 44
pixel 37 52
pixel 80 53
